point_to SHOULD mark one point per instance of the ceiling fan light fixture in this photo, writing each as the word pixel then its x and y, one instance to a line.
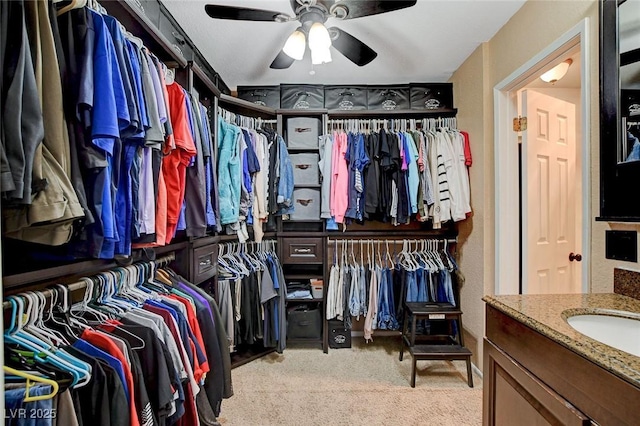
pixel 319 37
pixel 557 72
pixel 321 56
pixel 295 45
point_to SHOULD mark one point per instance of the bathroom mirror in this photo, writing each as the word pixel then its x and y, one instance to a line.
pixel 619 110
pixel 629 48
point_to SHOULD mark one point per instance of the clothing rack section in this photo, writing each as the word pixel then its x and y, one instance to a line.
pixel 360 125
pixel 370 280
pixel 136 348
pixel 254 123
pixel 255 175
pixel 82 284
pixel 117 170
pixel 252 294
pixel 395 171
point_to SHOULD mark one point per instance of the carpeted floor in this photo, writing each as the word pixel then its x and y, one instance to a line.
pixel 364 385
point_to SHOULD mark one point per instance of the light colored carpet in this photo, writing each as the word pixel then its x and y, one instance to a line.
pixel 364 385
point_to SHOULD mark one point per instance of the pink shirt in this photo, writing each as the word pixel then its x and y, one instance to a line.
pixel 339 178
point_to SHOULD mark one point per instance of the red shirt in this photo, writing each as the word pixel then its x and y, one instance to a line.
pixel 103 342
pixel 174 165
pixel 195 328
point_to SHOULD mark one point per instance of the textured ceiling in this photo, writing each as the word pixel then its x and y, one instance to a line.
pixel 423 43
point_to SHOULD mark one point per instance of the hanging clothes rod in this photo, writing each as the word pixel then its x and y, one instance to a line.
pixel 376 241
pixel 393 124
pixel 244 121
pixel 80 285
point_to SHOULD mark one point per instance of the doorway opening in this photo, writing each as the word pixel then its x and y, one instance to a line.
pixel 542 173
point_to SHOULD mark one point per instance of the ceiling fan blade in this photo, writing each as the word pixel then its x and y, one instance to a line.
pixel 282 61
pixel 359 8
pixel 355 50
pixel 242 13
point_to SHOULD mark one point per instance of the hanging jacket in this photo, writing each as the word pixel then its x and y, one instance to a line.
pixel 285 182
pixel 228 171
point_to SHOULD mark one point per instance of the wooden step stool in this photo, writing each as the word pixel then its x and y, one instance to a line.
pixel 440 347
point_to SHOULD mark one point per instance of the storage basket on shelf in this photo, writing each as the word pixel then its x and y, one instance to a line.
pixel 302 132
pixel 301 96
pixel 345 98
pixel 268 96
pixel 431 95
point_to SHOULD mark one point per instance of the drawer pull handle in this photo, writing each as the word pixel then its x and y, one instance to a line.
pixel 205 262
pixel 303 166
pixel 302 129
pixel 302 250
pixel 305 202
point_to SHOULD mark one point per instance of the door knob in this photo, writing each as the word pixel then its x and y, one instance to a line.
pixel 575 256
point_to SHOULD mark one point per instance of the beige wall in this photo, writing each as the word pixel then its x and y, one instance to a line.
pixel 533 28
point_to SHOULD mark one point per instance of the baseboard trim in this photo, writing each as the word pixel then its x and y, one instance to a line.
pixel 476 370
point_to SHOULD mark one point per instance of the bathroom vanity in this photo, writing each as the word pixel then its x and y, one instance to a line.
pixel 540 370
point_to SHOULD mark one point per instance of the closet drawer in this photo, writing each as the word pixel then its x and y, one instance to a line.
pixel 303 250
pixel 205 263
pixel 388 98
pixel 268 96
pixel 305 169
pixel 301 96
pixel 431 95
pixel 302 132
pixel 345 98
pixel 306 203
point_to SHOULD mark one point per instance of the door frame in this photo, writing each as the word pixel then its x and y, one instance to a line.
pixel 507 186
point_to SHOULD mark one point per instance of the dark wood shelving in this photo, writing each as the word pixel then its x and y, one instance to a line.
pixel 242 107
pixel 303 276
pixel 301 112
pixel 304 300
pixel 403 113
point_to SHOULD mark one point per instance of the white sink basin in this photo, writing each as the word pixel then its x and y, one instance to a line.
pixel 613 330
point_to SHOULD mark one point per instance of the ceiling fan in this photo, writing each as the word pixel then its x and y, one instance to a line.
pixel 312 15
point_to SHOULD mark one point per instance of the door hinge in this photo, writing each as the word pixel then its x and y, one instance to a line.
pixel 520 124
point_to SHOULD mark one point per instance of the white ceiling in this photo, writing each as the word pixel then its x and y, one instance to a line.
pixel 423 43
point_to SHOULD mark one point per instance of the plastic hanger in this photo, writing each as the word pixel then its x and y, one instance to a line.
pixel 87 303
pixel 35 324
pixel 33 380
pixel 43 353
pixel 73 4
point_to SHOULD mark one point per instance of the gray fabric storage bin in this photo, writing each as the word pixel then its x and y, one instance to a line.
pixel 345 98
pixel 302 132
pixel 306 202
pixel 305 169
pixel 431 95
pixel 388 98
pixel 268 96
pixel 301 96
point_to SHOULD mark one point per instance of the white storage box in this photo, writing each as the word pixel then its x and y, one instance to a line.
pixel 305 169
pixel 302 132
pixel 306 202
pixel 316 288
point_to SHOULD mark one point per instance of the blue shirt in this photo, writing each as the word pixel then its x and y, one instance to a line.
pixel 137 83
pixel 114 362
pixel 110 110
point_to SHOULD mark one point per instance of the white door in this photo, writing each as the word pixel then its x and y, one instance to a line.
pixel 551 189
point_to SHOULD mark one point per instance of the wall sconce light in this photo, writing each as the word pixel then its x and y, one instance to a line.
pixel 557 72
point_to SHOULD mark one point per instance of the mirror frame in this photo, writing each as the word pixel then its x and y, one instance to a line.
pixel 618 201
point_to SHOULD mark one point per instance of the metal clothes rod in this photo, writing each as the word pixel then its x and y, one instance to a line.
pixel 244 121
pixel 369 240
pixel 47 293
pixel 401 124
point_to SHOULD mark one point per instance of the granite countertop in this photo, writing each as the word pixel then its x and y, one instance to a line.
pixel 547 314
